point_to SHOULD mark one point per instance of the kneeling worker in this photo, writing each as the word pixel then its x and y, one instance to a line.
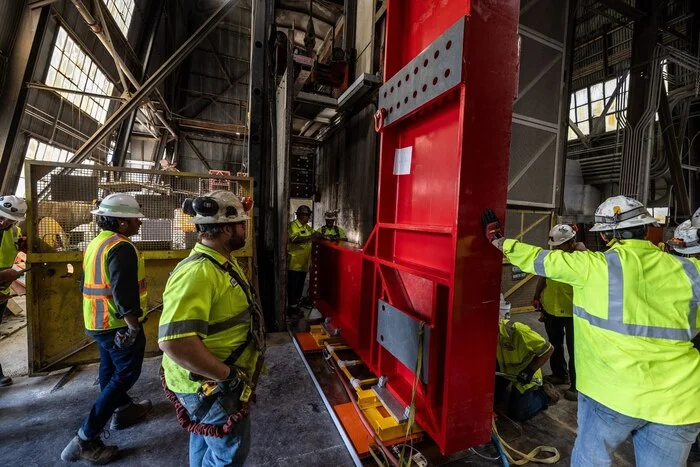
pixel 211 333
pixel 521 354
pixel 114 298
pixel 332 231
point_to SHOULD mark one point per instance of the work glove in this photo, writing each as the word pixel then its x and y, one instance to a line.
pixel 537 304
pixel 125 338
pixel 231 383
pixel 525 376
pixel 492 226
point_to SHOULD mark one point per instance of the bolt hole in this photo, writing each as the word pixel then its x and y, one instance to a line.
pixel 398 105
pixel 415 93
pixel 384 94
pixel 425 63
pixel 437 54
pixel 392 89
pixel 407 76
pixel 448 45
pixel 447 73
pixel 399 85
pixel 405 101
pixel 256 91
pixel 435 81
pixel 425 87
pixel 258 44
pixel 391 110
pixel 415 71
pixel 383 307
pixel 381 337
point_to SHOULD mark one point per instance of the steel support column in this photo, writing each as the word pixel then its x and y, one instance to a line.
pixel 144 50
pixel 673 157
pixel 14 94
pixel 154 80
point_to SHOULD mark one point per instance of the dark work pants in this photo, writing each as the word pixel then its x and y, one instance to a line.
pixel 558 329
pixel 295 286
pixel 119 371
pixel 521 406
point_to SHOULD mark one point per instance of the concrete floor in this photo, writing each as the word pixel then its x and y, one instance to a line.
pixel 290 424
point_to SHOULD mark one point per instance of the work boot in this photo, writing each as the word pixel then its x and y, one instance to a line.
pixel 92 450
pixel 552 393
pixel 130 414
pixel 4 380
pixel 557 380
pixel 571 394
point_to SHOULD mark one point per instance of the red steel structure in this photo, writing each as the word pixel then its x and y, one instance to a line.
pixel 452 68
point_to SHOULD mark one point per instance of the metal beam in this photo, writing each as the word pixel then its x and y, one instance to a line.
pixel 154 80
pixel 44 87
pixel 673 156
pixel 197 153
pixel 302 11
pixel 237 129
pixel 624 8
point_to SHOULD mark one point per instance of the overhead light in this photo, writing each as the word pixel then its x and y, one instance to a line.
pixel 238 134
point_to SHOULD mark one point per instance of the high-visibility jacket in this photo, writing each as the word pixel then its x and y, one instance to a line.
pixel 635 313
pixel 558 299
pixel 201 300
pixel 518 345
pixel 99 308
pixel 299 254
pixel 8 249
pixel 334 233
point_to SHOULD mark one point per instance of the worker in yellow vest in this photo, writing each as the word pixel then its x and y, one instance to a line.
pixel 300 235
pixel 12 211
pixel 211 333
pixel 555 301
pixel 635 314
pixel 520 356
pixel 114 300
pixel 332 231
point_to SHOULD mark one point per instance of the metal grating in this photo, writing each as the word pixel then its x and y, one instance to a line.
pixel 61 197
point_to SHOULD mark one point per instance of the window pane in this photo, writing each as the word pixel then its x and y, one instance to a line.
pixel 72 68
pixel 597 108
pixel 583 126
pixel 582 113
pixel 610 87
pixel 581 97
pixel 121 11
pixel 572 134
pixel 610 122
pixel 596 92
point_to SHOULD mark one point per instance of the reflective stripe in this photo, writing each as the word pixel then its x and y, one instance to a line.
pixel 100 308
pixel 694 278
pixel 142 285
pixel 97 271
pixel 241 318
pixel 182 327
pixel 510 325
pixel 615 286
pixel 542 349
pixel 97 291
pixel 638 330
pixel 539 262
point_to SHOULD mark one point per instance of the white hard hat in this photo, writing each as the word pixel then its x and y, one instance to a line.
pixel 119 205
pixel 561 233
pixel 685 239
pixel 695 219
pixel 216 207
pixel 13 208
pixel 504 309
pixel 620 212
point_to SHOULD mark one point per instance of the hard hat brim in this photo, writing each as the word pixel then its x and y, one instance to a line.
pixel 218 220
pixel 118 215
pixel 644 219
pixel 691 250
pixel 12 217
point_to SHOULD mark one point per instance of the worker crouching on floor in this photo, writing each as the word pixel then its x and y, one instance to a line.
pixel 555 301
pixel 521 354
pixel 12 211
pixel 635 313
pixel 211 333
pixel 114 298
pixel 332 231
pixel 300 235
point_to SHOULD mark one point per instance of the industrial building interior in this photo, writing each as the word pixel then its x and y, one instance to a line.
pixel 389 357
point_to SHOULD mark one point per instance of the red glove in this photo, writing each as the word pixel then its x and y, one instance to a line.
pixel 492 226
pixel 537 304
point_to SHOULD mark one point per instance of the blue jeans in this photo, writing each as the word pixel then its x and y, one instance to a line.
pixel 601 430
pixel 521 406
pixel 208 451
pixel 119 371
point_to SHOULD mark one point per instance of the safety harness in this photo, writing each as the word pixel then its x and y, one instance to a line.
pixel 256 335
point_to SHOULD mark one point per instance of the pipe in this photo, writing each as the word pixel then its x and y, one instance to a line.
pixel 87 16
pixel 158 76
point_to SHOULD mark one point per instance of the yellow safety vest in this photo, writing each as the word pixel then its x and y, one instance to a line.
pixel 635 313
pixel 201 300
pixel 518 345
pixel 558 299
pixel 299 254
pixel 8 250
pixel 99 309
pixel 334 233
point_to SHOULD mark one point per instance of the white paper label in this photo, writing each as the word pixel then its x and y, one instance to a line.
pixel 402 160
